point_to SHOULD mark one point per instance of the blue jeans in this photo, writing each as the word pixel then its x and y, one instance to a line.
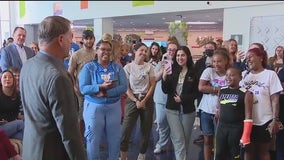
pixel 14 129
pixel 102 119
pixel 181 126
pixel 162 125
pixel 208 123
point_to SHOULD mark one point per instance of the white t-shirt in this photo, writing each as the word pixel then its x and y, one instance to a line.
pixel 139 76
pixel 262 85
pixel 209 102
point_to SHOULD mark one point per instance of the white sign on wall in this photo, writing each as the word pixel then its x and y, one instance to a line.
pixel 269 31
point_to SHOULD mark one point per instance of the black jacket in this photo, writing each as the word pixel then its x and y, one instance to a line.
pixel 189 90
pixel 200 66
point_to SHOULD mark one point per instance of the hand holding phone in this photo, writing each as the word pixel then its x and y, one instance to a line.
pixel 168 65
pixel 240 56
pixel 115 80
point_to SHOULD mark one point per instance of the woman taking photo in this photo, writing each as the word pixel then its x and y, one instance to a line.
pixel 160 99
pixel 180 83
pixel 141 85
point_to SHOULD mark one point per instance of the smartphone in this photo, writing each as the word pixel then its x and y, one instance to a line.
pixel 115 80
pixel 165 57
pixel 168 64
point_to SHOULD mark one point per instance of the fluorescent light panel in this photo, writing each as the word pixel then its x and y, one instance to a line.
pixel 195 22
pixel 201 22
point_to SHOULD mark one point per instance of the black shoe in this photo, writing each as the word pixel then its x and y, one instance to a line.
pixel 200 139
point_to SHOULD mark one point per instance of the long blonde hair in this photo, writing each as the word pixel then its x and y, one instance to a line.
pixel 115 50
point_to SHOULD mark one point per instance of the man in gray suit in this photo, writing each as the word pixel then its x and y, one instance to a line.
pixel 16 54
pixel 48 98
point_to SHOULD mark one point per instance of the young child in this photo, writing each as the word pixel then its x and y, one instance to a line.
pixel 210 83
pixel 234 106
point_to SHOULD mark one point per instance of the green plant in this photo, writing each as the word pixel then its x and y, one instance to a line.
pixel 180 30
pixel 90 28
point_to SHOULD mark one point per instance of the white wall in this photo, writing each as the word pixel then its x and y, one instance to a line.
pixel 237 14
pixel 4 22
pixel 37 10
pixel 237 20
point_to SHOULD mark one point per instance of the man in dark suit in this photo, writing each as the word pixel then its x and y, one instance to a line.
pixel 16 54
pixel 48 98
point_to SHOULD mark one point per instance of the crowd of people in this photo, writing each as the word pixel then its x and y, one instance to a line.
pixel 66 111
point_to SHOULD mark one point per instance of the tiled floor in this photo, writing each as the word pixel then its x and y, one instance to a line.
pixel 196 149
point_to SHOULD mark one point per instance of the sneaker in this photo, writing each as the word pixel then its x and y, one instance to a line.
pixel 200 139
pixel 141 156
pixel 157 150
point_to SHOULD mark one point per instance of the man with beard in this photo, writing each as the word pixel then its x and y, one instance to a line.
pixel 77 60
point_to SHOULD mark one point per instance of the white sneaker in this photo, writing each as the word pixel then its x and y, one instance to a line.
pixel 157 150
pixel 141 156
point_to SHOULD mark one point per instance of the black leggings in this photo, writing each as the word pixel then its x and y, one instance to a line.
pixel 228 141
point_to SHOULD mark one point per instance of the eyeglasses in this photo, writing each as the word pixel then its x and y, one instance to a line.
pixel 172 50
pixel 105 49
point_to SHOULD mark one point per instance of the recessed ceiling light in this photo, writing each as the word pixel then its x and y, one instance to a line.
pixel 163 18
pixel 147 23
pixel 78 27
